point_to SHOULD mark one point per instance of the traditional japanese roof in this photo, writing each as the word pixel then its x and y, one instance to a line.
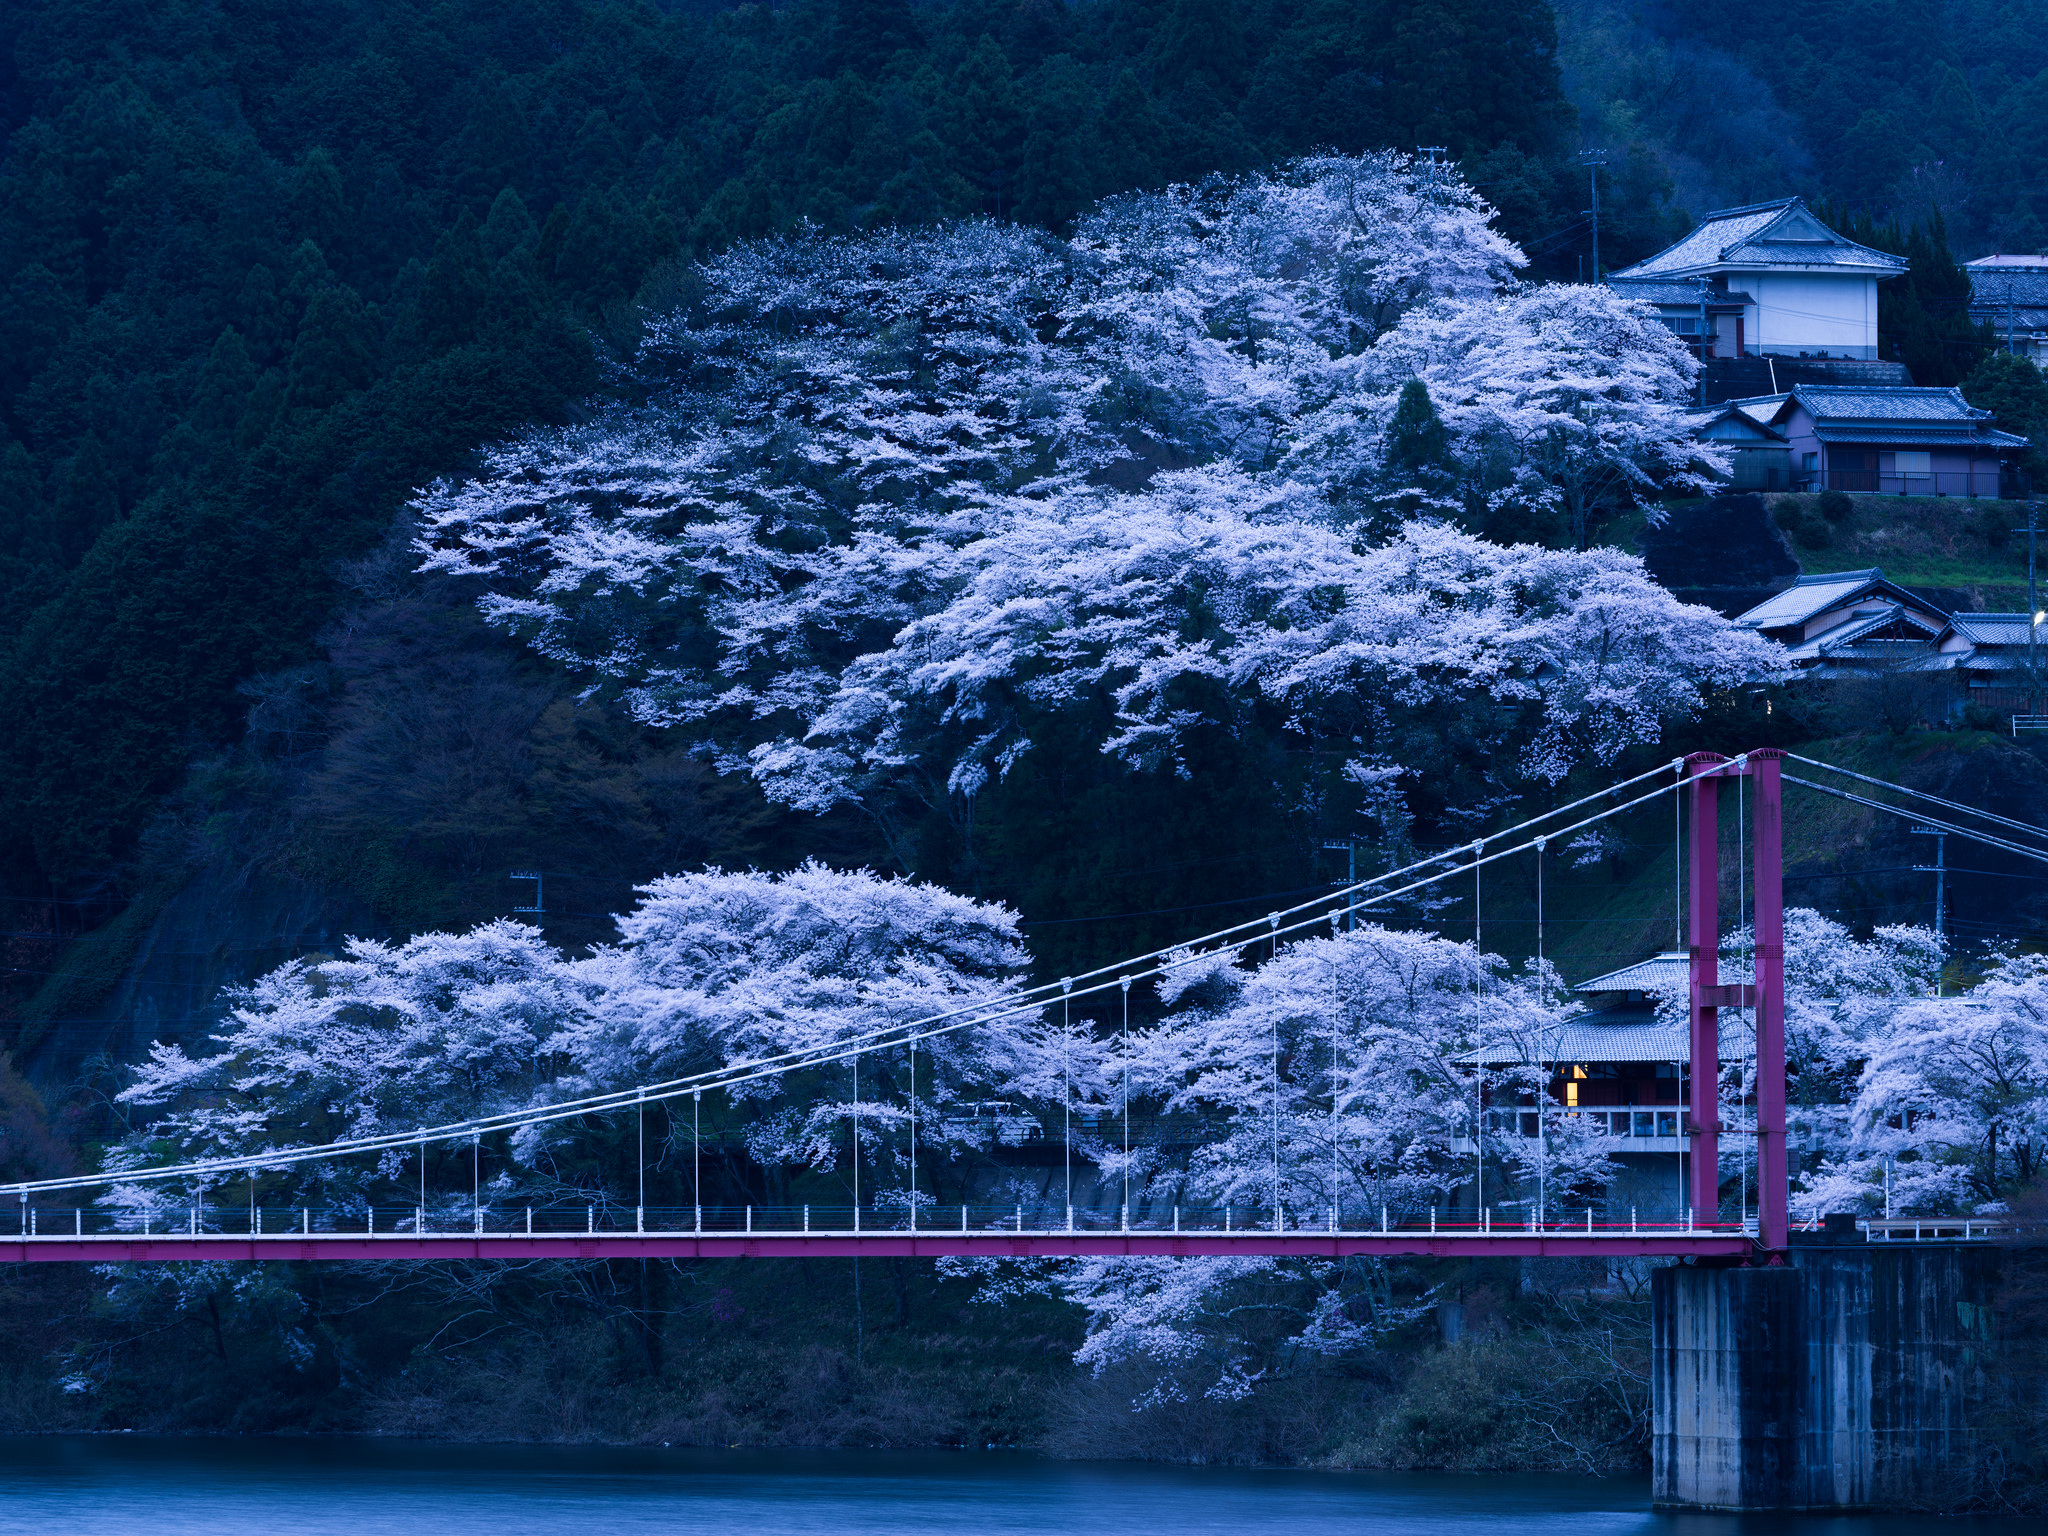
pixel 1733 424
pixel 1666 972
pixel 1811 595
pixel 1996 290
pixel 1853 633
pixel 1585 1039
pixel 1917 437
pixel 1991 628
pixel 1783 234
pixel 1862 402
pixel 1657 290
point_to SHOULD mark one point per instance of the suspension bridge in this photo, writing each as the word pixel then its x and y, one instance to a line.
pixel 70 1220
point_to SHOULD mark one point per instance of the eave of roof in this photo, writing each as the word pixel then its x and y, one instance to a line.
pixel 1891 434
pixel 1886 402
pixel 1740 237
pixel 1810 595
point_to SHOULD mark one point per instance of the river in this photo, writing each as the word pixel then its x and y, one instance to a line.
pixel 174 1487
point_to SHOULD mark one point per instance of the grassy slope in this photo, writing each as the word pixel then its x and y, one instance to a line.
pixel 1615 913
pixel 1929 541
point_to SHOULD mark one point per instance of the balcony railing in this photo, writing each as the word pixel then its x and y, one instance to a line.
pixel 1871 482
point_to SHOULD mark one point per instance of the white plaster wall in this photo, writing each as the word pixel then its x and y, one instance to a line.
pixel 1832 312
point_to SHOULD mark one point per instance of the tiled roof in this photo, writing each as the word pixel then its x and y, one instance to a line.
pixel 1806 597
pixel 2025 287
pixel 1755 236
pixel 1852 630
pixel 1585 1039
pixel 1891 434
pixel 1653 290
pixel 1862 402
pixel 1760 408
pixel 1659 973
pixel 1991 628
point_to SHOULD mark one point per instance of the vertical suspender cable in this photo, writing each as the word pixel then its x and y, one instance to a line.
pixel 640 1166
pixel 697 1153
pixel 1479 1077
pixel 1067 1107
pixel 856 1156
pixel 913 1135
pixel 1276 1122
pixel 476 1179
pixel 1124 1048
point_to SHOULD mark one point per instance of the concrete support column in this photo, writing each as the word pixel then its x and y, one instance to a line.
pixel 1853 1377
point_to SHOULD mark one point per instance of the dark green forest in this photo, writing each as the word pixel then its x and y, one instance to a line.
pixel 266 268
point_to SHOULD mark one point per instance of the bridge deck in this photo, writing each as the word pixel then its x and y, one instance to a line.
pixel 121 1248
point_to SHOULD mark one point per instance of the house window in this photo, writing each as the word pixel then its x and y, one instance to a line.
pixel 1809 461
pixel 1914 466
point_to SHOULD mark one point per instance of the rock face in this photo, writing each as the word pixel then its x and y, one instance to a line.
pixel 1723 553
pixel 1856 1376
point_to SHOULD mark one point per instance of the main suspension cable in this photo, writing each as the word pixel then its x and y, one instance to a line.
pixel 1359 896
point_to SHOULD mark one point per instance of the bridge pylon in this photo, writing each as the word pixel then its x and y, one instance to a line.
pixel 1765 991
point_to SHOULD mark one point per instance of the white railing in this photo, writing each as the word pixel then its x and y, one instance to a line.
pixel 1937 1229
pixel 2029 723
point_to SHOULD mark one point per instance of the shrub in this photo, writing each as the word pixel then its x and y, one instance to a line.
pixel 1813 532
pixel 1834 506
pixel 1994 526
pixel 1786 513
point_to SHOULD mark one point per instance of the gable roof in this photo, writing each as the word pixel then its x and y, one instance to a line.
pixel 1732 424
pixel 1811 595
pixel 1991 628
pixel 1895 402
pixel 1670 971
pixel 1784 233
pixel 1853 635
pixel 1912 416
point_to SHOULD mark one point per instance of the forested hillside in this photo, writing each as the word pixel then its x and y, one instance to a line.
pixel 266 270
pixel 268 267
pixel 1898 109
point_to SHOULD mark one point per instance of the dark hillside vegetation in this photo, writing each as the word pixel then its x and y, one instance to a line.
pixel 265 268
pixel 1901 110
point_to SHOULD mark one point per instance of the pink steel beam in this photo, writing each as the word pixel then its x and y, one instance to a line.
pixel 1771 1170
pixel 358 1248
pixel 1703 1120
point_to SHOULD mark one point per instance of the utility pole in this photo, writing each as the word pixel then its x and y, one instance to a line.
pixel 1592 160
pixel 1704 283
pixel 1938 869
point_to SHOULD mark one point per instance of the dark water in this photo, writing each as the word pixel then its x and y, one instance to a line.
pixel 130 1484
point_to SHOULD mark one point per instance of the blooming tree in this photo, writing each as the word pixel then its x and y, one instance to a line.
pixel 887 504
pixel 713 970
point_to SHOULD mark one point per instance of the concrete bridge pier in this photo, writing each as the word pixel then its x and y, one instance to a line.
pixel 1853 1376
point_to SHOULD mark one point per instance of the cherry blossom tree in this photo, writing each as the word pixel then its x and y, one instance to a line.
pixel 883 505
pixel 711 971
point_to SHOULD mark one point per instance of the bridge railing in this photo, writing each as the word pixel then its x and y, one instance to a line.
pixel 610 1219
